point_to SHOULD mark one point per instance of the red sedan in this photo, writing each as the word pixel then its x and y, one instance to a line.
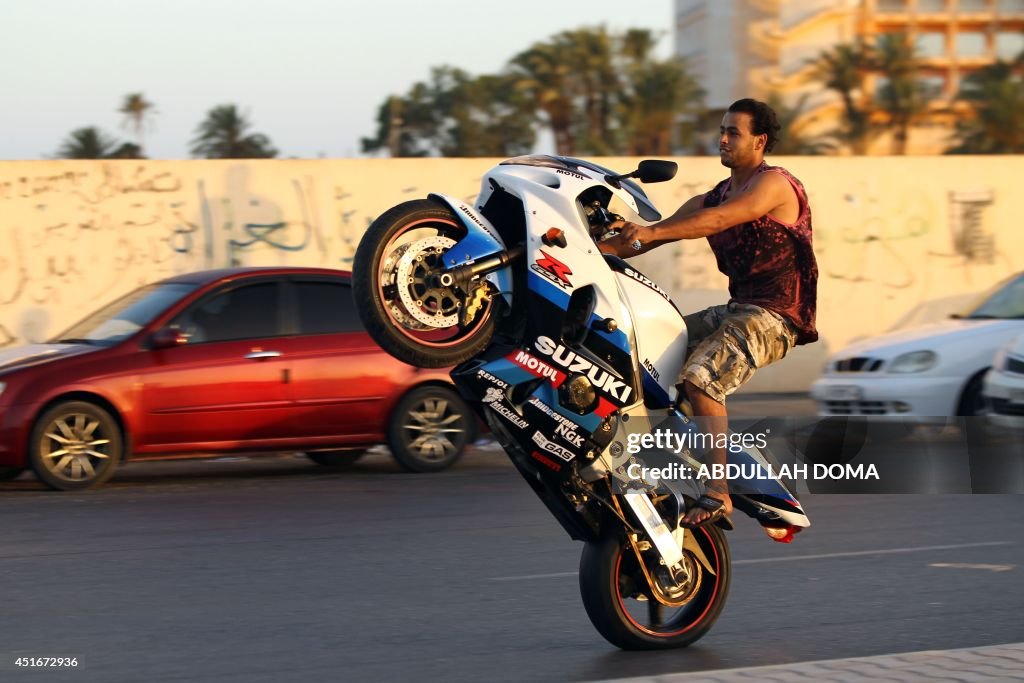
pixel 245 359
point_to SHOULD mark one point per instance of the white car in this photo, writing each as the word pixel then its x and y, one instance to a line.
pixel 1004 386
pixel 929 373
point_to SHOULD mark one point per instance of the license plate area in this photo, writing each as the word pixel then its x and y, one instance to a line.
pixel 843 393
pixel 1016 395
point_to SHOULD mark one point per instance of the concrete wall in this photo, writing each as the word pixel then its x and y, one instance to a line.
pixel 891 234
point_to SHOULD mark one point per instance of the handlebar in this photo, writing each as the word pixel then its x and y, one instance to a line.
pixel 599 219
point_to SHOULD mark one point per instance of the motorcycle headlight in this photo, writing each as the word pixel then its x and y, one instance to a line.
pixel 2 387
pixel 915 361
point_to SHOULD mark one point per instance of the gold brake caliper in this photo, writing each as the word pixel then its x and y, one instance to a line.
pixel 476 301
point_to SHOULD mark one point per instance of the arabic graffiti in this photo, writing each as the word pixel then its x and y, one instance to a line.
pixel 75 234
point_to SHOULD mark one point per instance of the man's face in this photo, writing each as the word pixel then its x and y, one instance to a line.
pixel 737 144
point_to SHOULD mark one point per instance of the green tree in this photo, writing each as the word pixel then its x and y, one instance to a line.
pixel 792 137
pixel 844 69
pixel 659 101
pixel 486 116
pixel 127 150
pixel 223 135
pixel 137 111
pixel 455 114
pixel 543 73
pixel 87 143
pixel 996 125
pixel 902 95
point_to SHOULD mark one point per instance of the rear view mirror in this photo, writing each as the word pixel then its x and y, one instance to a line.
pixel 655 171
pixel 167 338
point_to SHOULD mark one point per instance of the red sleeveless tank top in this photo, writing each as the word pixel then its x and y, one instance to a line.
pixel 769 263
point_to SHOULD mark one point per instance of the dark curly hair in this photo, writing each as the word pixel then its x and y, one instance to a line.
pixel 763 119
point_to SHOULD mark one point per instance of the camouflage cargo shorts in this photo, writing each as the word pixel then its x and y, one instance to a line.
pixel 728 343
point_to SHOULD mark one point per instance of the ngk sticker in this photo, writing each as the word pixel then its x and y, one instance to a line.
pixel 573 362
pixel 569 435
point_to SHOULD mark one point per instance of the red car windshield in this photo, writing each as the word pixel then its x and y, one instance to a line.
pixel 124 317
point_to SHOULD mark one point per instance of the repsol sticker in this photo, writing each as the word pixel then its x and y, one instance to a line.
pixel 488 377
pixel 566 358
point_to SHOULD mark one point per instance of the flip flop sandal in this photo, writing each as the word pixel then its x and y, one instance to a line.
pixel 717 509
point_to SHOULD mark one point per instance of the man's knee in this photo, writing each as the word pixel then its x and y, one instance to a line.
pixel 697 395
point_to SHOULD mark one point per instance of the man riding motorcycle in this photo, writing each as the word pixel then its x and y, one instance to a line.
pixel 758 223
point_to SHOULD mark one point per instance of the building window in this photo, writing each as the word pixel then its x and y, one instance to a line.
pixel 933 87
pixel 972 6
pixel 931 6
pixel 892 6
pixel 1009 45
pixel 1010 6
pixel 931 45
pixel 971 44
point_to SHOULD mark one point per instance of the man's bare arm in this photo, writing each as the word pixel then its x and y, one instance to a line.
pixel 624 249
pixel 768 192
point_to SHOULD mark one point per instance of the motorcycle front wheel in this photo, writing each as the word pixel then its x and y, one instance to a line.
pixel 620 603
pixel 403 307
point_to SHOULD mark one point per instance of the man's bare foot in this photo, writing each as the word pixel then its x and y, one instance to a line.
pixel 697 515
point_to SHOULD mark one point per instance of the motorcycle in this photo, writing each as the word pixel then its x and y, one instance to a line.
pixel 570 357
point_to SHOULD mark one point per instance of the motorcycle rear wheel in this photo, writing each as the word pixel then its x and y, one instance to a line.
pixel 406 314
pixel 611 581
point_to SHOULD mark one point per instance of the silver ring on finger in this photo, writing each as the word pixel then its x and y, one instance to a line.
pixel 637 245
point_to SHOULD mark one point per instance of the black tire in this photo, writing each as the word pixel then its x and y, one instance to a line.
pixel 378 297
pixel 8 473
pixel 602 582
pixel 430 429
pixel 75 445
pixel 972 401
pixel 336 459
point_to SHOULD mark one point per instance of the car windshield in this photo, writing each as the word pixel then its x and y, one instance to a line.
pixel 645 208
pixel 124 317
pixel 1005 300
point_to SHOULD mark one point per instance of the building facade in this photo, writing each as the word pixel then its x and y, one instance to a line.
pixel 754 48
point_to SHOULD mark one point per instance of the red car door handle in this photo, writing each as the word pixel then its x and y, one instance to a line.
pixel 260 355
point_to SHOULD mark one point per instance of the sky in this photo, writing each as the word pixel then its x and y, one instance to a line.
pixel 311 74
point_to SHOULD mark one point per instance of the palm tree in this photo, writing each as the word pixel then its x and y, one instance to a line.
pixel 902 95
pixel 137 111
pixel 544 73
pixel 844 69
pixel 792 139
pixel 456 114
pixel 87 143
pixel 659 102
pixel 222 135
pixel 591 55
pixel 996 126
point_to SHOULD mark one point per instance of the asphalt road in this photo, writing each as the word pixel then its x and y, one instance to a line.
pixel 274 570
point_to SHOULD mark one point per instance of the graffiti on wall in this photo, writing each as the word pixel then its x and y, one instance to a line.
pixel 74 235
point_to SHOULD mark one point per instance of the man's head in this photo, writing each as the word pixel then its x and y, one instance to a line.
pixel 749 131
